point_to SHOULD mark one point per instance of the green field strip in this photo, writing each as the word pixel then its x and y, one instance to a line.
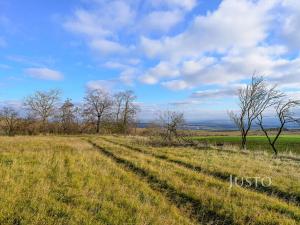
pixel 271 190
pixel 286 143
pixel 236 203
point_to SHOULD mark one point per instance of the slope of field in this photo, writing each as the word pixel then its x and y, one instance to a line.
pixel 285 144
pixel 65 181
pixel 117 180
pixel 222 164
pixel 211 198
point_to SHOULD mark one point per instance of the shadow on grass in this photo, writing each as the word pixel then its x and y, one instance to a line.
pixel 269 190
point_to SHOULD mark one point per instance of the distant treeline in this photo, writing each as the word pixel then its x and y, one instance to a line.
pixel 44 113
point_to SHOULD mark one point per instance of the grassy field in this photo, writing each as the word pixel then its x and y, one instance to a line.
pixel 285 144
pixel 117 180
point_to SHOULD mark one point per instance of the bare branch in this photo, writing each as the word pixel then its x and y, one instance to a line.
pixel 97 104
pixel 254 99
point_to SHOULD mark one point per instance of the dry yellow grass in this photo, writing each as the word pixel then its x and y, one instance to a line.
pixel 53 180
pixel 237 205
pixel 90 180
pixel 285 173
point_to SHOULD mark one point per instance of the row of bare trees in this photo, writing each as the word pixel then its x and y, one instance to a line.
pixel 42 112
pixel 258 99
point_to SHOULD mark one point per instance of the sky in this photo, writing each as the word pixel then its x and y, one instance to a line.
pixel 184 55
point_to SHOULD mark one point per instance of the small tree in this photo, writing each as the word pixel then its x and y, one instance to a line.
pixel 285 115
pixel 9 117
pixel 97 103
pixel 169 122
pixel 125 109
pixel 129 110
pixel 67 116
pixel 42 105
pixel 118 103
pixel 254 99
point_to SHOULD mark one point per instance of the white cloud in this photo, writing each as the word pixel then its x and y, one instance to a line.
pixel 101 19
pixel 100 84
pixel 184 4
pixel 161 70
pixel 290 19
pixel 86 23
pixel 175 85
pixel 161 20
pixel 236 23
pixel 220 48
pixel 235 66
pixel 122 63
pixel 219 93
pixel 148 79
pixel 100 23
pixel 44 73
pixel 103 46
pixel 114 65
pixel 128 76
pixel 192 67
pixel 223 47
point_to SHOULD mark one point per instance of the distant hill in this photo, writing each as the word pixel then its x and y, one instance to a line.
pixel 222 125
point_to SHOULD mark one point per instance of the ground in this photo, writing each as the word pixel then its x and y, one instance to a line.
pixel 121 180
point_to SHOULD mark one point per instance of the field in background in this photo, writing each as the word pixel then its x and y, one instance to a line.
pixel 285 144
pixel 117 180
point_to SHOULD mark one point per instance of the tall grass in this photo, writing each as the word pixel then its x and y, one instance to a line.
pixel 237 205
pixel 285 174
pixel 65 181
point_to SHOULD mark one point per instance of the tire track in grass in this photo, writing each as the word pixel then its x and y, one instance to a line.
pixel 268 190
pixel 196 211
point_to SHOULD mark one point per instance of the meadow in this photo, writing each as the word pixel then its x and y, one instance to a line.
pixel 121 180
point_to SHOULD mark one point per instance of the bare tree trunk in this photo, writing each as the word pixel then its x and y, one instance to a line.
pixel 274 149
pixel 44 127
pixel 98 124
pixel 244 141
pixel 272 142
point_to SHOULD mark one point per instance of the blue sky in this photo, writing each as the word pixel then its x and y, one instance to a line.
pixel 185 55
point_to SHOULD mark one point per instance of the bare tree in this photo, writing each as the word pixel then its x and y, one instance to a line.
pixel 118 102
pixel 169 122
pixel 129 110
pixel 67 116
pixel 42 104
pixel 125 109
pixel 9 117
pixel 285 115
pixel 97 103
pixel 254 99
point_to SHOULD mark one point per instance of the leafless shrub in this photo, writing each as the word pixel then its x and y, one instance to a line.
pixel 9 120
pixel 166 129
pixel 285 115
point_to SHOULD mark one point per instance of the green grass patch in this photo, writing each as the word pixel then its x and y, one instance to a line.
pixel 285 144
